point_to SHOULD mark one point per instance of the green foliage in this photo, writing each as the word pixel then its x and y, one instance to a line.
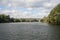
pixel 45 19
pixel 17 20
pixel 6 19
pixel 54 16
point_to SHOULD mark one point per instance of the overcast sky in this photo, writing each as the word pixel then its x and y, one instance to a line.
pixel 27 8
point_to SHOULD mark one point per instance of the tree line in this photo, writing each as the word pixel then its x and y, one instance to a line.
pixel 6 18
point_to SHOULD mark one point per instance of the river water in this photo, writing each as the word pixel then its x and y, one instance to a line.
pixel 29 31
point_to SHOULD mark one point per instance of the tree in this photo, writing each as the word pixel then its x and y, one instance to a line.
pixel 4 18
pixel 54 16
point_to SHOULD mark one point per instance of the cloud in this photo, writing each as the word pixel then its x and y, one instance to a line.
pixel 16 13
pixel 47 4
pixel 29 3
pixel 27 8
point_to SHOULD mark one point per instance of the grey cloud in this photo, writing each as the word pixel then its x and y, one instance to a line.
pixel 39 5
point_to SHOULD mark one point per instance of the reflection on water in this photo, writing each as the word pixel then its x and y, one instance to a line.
pixel 29 31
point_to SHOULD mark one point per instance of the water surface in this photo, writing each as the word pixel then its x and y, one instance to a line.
pixel 29 31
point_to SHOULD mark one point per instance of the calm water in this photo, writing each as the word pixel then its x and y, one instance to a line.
pixel 29 31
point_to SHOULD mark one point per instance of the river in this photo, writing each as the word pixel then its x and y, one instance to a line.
pixel 29 31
